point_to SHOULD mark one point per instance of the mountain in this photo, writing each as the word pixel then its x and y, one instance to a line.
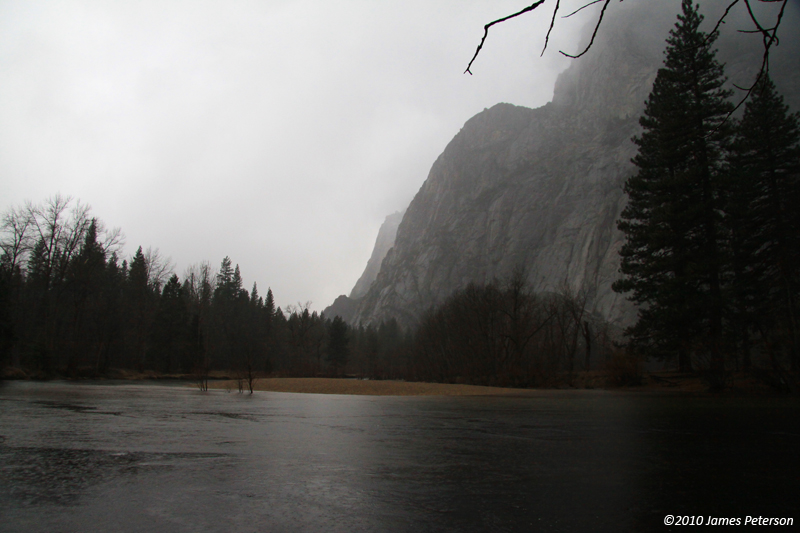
pixel 383 244
pixel 542 188
pixel 347 306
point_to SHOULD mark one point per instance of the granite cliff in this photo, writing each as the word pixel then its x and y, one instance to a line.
pixel 347 306
pixel 541 187
pixel 384 243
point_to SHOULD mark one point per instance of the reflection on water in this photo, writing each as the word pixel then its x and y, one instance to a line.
pixel 82 457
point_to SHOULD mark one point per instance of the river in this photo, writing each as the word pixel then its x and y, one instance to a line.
pixel 144 457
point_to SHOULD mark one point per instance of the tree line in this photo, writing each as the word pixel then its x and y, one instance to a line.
pixel 69 305
pixel 505 334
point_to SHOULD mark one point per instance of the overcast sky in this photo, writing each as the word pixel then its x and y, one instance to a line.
pixel 279 133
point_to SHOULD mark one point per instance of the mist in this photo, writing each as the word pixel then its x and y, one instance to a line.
pixel 277 133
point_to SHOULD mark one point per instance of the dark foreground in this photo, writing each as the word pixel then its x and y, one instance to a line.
pixel 80 457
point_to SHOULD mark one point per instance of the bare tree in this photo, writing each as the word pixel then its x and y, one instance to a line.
pixel 572 309
pixel 58 226
pixel 16 240
pixel 159 268
pixel 525 317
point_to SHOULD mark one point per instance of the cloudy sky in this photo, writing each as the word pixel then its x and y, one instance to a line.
pixel 279 133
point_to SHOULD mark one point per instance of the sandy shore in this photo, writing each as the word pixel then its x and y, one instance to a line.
pixel 669 382
pixel 369 387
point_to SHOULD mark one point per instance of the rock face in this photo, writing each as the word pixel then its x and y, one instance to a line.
pixel 343 307
pixel 383 244
pixel 347 306
pixel 540 188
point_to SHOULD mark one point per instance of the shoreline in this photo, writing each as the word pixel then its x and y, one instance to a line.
pixel 363 387
pixel 669 383
pixel 652 382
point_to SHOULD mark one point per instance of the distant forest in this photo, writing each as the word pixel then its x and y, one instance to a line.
pixel 70 307
pixel 711 257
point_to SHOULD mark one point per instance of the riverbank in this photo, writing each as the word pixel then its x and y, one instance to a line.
pixel 739 384
pixel 368 387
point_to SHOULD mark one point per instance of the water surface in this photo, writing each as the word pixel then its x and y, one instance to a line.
pixel 91 457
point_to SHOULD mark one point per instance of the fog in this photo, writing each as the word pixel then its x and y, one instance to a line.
pixel 278 133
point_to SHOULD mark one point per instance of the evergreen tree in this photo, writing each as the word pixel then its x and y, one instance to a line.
pixel 224 278
pixel 37 295
pixel 338 344
pixel 140 302
pixel 672 260
pixel 112 327
pixel 268 314
pixel 255 300
pixel 137 273
pixel 39 266
pixel 226 315
pixel 236 284
pixel 765 220
pixel 170 330
pixel 269 304
pixel 85 280
pixel 7 303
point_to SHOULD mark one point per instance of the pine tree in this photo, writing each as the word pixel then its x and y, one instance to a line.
pixel 137 273
pixel 765 219
pixel 338 344
pixel 236 284
pixel 140 304
pixel 255 300
pixel 112 327
pixel 85 279
pixel 268 317
pixel 170 330
pixel 224 280
pixel 672 260
pixel 7 303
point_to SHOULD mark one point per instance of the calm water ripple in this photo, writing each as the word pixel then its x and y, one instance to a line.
pixel 98 457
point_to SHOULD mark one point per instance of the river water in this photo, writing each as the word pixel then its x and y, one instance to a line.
pixel 98 457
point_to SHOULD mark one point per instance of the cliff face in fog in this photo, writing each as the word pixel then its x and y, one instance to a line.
pixel 538 187
pixel 383 244
pixel 347 306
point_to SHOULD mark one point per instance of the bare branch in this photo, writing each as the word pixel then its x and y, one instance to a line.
pixel 755 20
pixel 159 268
pixel 552 22
pixel 113 240
pixel 758 31
pixel 594 33
pixel 582 8
pixel 721 21
pixel 498 21
pixel 16 241
pixel 769 35
pixel 770 39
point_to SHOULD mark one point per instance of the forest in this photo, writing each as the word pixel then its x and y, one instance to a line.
pixel 711 258
pixel 70 307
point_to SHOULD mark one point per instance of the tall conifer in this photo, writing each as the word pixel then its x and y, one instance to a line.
pixel 765 219
pixel 672 260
